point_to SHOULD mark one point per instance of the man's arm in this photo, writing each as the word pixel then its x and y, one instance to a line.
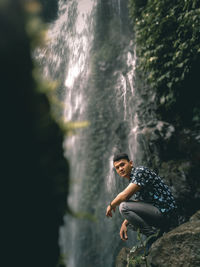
pixel 123 196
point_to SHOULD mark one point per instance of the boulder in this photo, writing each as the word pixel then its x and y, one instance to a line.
pixel 122 258
pixel 179 247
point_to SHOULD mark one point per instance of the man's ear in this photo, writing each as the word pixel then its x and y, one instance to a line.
pixel 131 162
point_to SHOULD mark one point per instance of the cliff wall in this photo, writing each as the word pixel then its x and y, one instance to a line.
pixel 167 71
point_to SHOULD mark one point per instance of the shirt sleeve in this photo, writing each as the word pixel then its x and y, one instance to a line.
pixel 139 177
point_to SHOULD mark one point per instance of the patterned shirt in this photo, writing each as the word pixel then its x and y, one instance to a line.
pixel 153 189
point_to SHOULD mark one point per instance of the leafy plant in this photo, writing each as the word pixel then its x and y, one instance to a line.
pixel 139 252
pixel 168 45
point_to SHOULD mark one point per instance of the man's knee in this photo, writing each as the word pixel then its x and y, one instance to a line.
pixel 123 207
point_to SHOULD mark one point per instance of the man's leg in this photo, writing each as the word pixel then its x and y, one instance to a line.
pixel 142 216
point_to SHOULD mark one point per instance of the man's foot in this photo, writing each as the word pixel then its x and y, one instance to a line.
pixel 144 247
pixel 139 250
pixel 151 239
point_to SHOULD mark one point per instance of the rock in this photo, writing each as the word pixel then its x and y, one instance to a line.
pixel 34 171
pixel 195 217
pixel 134 257
pixel 189 144
pixel 49 9
pixel 160 130
pixel 122 257
pixel 137 258
pixel 182 177
pixel 156 138
pixel 179 247
pixel 175 153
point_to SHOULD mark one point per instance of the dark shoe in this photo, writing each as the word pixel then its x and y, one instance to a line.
pixel 151 239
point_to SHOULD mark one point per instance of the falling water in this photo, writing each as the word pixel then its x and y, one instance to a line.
pixel 91 53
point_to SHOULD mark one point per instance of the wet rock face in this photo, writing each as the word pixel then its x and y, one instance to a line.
pixel 182 177
pixel 175 153
pixel 122 258
pixel 156 138
pixel 180 247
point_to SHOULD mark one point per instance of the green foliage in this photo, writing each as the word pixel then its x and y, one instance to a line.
pixel 136 262
pixel 168 43
pixel 61 261
pixel 139 252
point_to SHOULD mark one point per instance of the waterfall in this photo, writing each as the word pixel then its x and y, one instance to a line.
pixel 91 53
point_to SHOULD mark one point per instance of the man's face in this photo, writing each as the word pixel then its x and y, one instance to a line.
pixel 123 167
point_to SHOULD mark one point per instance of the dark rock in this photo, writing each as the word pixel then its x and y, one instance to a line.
pixel 137 258
pixel 189 144
pixel 134 257
pixel 34 171
pixel 49 9
pixel 182 177
pixel 179 247
pixel 175 153
pixel 195 217
pixel 122 259
pixel 156 141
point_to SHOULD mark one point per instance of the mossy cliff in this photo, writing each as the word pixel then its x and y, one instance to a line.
pixel 34 171
pixel 168 61
pixel 168 49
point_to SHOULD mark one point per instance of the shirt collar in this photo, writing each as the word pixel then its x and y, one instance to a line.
pixel 131 175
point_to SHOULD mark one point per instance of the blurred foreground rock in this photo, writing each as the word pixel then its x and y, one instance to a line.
pixel 34 171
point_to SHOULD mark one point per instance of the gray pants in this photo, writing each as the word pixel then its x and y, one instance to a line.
pixel 143 216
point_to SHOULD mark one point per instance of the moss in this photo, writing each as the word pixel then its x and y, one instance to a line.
pixel 168 49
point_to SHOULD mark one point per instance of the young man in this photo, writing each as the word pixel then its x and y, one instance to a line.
pixel 153 204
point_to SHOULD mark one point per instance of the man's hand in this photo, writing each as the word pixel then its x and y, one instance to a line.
pixel 109 211
pixel 123 231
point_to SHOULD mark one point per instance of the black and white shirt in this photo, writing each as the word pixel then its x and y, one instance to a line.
pixel 153 189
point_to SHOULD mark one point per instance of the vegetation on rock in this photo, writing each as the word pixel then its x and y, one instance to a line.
pixel 168 50
pixel 168 60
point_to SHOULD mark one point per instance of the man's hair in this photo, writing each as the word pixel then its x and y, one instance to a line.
pixel 119 156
